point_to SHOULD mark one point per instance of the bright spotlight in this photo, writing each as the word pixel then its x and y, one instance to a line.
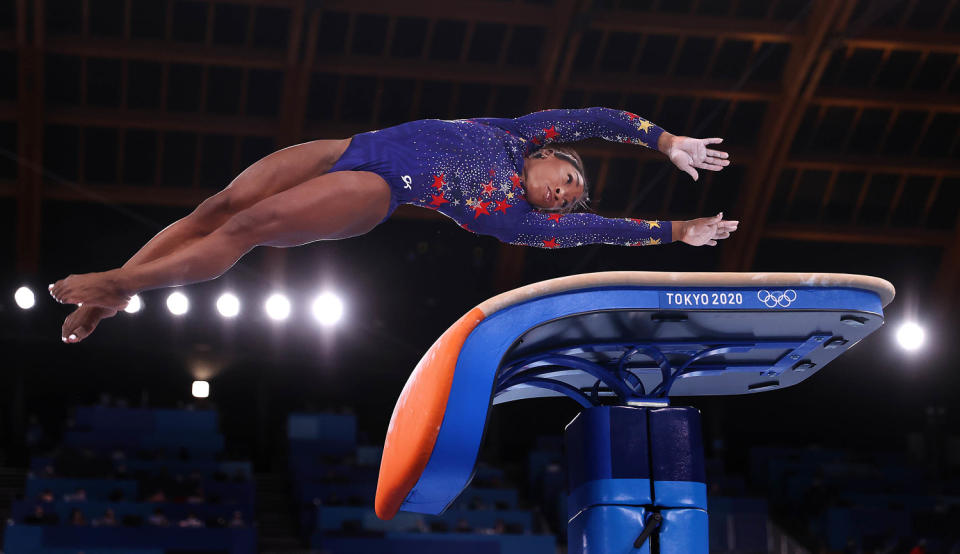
pixel 277 307
pixel 327 308
pixel 177 303
pixel 135 305
pixel 201 389
pixel 24 298
pixel 911 336
pixel 228 305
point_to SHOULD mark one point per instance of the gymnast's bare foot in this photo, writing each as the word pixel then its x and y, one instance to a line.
pixel 95 289
pixel 81 323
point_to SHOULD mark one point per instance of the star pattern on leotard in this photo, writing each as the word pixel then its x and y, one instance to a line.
pixel 480 208
pixel 439 200
pixel 647 223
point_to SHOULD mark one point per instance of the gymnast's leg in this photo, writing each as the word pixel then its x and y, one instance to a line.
pixel 332 206
pixel 272 174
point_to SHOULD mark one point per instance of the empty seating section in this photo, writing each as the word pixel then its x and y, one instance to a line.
pixel 100 489
pixel 136 481
pixel 143 510
pixel 30 539
pixel 858 499
pixel 335 483
pixel 738 524
pixel 420 543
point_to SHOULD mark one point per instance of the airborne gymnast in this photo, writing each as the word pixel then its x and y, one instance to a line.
pixel 509 178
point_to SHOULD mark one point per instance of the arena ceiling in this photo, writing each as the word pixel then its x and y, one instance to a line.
pixel 841 116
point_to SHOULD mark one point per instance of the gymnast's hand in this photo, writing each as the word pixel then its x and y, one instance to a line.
pixel 704 230
pixel 690 154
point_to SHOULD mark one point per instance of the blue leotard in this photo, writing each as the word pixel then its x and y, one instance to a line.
pixel 470 170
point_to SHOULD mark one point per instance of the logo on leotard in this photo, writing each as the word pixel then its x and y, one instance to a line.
pixel 407 181
pixel 777 298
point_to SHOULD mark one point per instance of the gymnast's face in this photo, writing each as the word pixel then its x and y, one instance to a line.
pixel 551 183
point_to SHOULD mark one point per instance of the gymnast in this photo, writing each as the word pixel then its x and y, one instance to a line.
pixel 509 178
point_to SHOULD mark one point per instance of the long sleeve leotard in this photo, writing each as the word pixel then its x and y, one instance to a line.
pixel 471 171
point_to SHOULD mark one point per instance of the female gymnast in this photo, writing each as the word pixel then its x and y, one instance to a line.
pixel 500 177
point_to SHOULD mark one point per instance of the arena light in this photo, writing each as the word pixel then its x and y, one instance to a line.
pixel 201 389
pixel 327 308
pixel 177 303
pixel 277 307
pixel 911 336
pixel 135 304
pixel 228 305
pixel 24 298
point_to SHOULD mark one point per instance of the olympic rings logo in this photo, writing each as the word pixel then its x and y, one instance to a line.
pixel 775 298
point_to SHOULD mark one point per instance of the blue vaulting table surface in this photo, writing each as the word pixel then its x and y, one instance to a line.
pixel 637 338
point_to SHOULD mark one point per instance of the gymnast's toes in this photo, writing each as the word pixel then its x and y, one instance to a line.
pixel 57 290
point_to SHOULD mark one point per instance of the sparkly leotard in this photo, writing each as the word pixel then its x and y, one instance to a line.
pixel 470 170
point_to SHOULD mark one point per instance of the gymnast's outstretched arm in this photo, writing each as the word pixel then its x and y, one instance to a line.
pixel 555 230
pixel 571 125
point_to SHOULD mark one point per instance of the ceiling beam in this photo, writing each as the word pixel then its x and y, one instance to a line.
pixel 858 235
pixel 163 121
pixel 256 3
pixel 29 134
pixel 875 99
pixel 905 39
pixel 470 10
pixel 674 86
pixel 377 66
pixel 801 75
pixel 936 167
pixel 719 27
pixel 8 110
pixel 947 281
pixel 168 51
pixel 296 77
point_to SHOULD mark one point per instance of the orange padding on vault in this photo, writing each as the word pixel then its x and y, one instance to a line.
pixel 417 417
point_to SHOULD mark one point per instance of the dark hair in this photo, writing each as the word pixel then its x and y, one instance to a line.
pixel 569 155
